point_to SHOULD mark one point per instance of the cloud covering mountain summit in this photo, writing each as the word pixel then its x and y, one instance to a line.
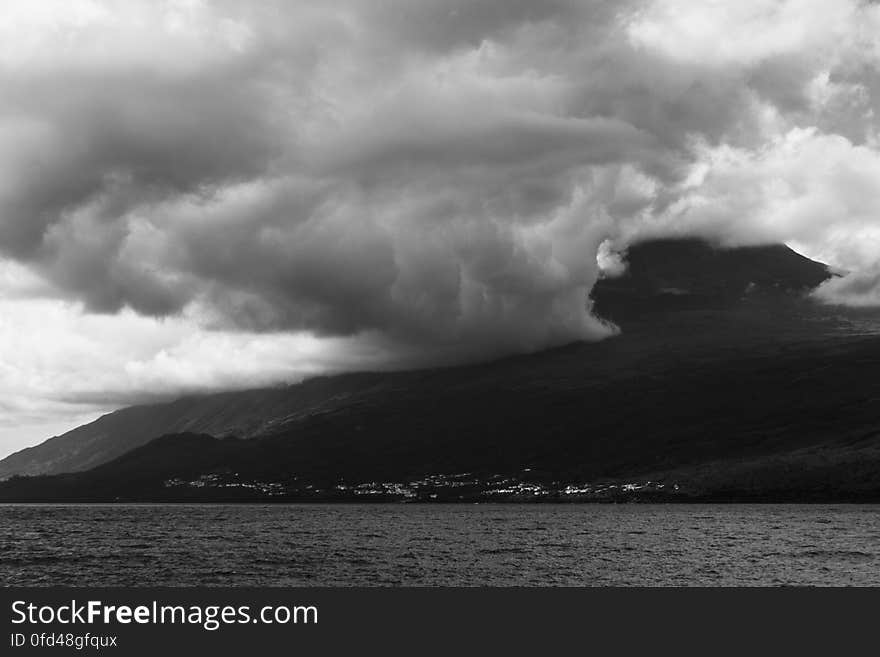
pixel 428 176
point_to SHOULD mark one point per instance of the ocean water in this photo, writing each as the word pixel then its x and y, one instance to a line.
pixel 408 545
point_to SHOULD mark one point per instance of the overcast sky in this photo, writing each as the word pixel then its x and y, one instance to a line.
pixel 200 195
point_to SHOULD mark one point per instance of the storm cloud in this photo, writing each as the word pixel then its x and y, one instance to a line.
pixel 433 179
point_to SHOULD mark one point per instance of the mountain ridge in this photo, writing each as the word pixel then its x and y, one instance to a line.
pixel 770 279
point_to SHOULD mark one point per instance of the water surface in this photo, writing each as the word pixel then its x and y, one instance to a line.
pixel 394 545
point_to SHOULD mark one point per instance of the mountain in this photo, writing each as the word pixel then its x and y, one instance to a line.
pixel 789 424
pixel 727 381
pixel 243 414
pixel 680 274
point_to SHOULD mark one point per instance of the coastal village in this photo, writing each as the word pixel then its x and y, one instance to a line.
pixel 431 488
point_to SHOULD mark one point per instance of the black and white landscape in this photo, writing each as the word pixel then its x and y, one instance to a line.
pixel 726 383
pixel 440 251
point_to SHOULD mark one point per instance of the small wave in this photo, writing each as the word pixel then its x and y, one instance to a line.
pixel 513 550
pixel 836 554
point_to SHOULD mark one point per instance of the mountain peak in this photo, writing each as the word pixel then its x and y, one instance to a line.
pixel 690 273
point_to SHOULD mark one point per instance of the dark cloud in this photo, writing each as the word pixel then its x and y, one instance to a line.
pixel 441 174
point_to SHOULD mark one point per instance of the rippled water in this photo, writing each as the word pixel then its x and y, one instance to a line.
pixel 288 545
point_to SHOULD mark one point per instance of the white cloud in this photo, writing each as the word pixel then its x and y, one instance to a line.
pixel 61 366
